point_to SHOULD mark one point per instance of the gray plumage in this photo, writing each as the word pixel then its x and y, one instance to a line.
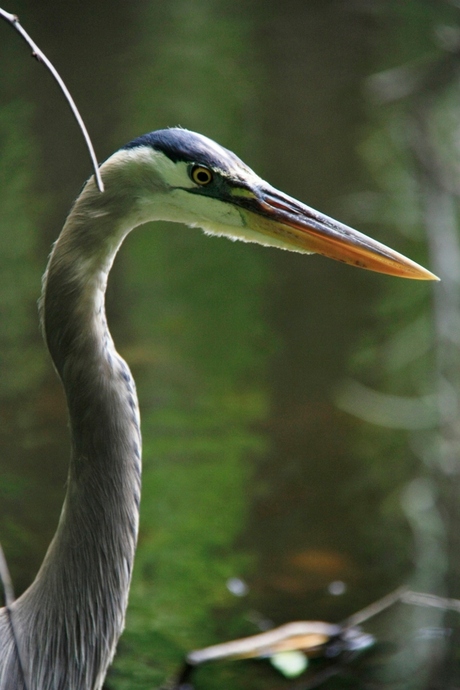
pixel 62 632
pixel 74 611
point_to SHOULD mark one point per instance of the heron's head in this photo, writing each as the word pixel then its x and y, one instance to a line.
pixel 183 176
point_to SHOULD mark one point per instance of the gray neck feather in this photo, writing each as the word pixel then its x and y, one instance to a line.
pixel 68 622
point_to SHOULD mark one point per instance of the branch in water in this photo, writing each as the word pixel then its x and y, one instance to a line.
pixel 41 57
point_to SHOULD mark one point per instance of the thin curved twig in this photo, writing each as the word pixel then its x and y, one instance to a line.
pixel 41 57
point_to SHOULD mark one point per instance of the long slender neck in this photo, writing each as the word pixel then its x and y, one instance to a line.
pixel 77 603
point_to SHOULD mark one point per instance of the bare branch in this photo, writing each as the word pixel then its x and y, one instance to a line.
pixel 430 600
pixel 6 579
pixel 41 57
pixel 376 607
pixel 299 635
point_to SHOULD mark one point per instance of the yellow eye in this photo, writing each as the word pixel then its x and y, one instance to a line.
pixel 201 175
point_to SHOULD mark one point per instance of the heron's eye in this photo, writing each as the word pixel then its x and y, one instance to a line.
pixel 201 175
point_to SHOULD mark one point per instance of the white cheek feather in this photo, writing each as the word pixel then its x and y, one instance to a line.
pixel 217 218
pixel 174 174
pixel 203 211
pixel 225 220
pixel 144 163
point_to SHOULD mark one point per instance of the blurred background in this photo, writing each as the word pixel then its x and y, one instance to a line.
pixel 300 417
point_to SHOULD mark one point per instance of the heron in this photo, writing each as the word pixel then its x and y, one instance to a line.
pixel 61 633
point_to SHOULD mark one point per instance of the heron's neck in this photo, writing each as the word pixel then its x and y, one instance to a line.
pixel 84 581
pixel 100 391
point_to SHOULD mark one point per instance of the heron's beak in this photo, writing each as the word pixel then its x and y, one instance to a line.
pixel 296 226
